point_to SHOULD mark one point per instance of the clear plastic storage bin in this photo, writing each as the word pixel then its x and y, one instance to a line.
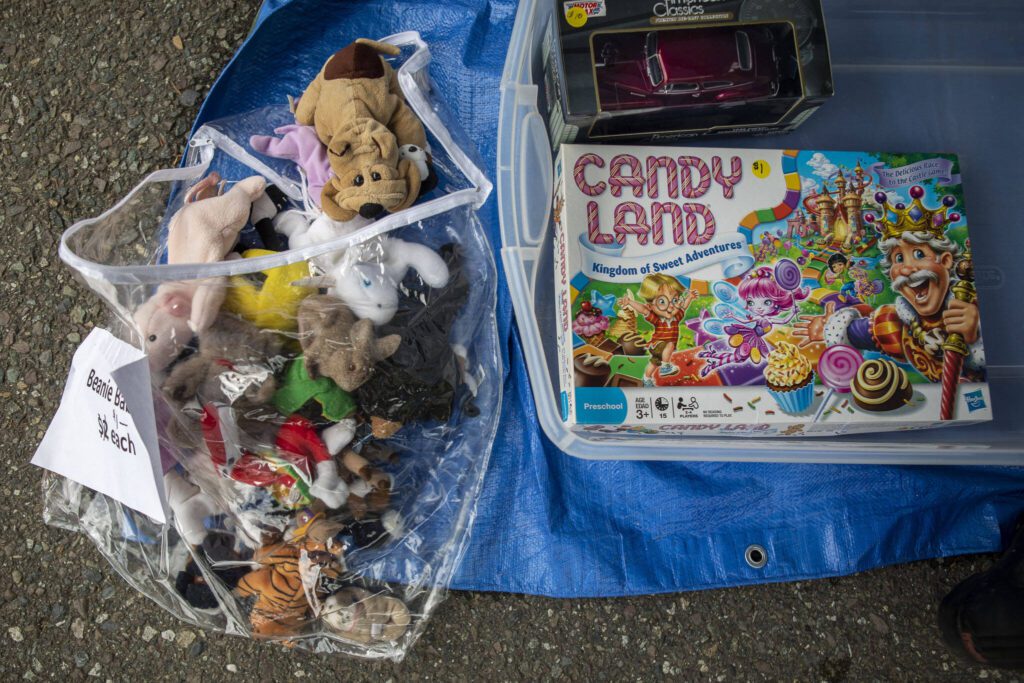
pixel 945 77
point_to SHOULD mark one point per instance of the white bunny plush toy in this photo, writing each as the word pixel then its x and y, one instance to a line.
pixel 303 232
pixel 367 276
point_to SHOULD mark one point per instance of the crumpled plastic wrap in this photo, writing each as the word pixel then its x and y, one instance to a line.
pixel 326 392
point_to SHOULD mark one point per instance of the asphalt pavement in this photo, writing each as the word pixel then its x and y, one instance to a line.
pixel 95 94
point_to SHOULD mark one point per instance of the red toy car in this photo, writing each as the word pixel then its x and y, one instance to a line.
pixel 683 67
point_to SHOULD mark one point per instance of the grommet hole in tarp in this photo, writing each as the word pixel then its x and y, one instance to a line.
pixel 756 556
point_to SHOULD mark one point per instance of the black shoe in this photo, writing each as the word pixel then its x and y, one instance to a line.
pixel 982 618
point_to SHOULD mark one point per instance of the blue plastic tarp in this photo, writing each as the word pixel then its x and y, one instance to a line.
pixel 551 524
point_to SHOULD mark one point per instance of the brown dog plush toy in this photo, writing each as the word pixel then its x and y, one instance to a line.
pixel 359 113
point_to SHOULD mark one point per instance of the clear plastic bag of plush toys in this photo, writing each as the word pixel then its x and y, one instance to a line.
pixel 326 379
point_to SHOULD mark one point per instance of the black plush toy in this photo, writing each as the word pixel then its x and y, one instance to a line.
pixel 190 582
pixel 261 233
pixel 418 382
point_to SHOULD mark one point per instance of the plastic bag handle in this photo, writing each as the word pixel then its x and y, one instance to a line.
pixel 157 273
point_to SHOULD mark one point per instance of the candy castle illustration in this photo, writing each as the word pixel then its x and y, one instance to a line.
pixel 834 214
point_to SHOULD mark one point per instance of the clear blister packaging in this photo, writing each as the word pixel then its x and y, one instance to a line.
pixel 326 389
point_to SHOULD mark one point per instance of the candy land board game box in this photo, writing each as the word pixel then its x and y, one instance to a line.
pixel 764 292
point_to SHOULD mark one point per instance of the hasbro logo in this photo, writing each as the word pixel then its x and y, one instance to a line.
pixel 975 401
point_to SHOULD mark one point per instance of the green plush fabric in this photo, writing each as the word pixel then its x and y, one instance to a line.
pixel 297 387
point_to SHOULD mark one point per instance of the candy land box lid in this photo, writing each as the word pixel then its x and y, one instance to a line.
pixel 770 266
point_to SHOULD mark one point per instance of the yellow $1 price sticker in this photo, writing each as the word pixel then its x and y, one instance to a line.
pixel 761 168
pixel 576 16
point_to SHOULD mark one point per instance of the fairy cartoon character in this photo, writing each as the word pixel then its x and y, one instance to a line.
pixel 664 305
pixel 766 297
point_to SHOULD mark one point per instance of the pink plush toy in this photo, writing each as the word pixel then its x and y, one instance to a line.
pixel 301 145
pixel 202 231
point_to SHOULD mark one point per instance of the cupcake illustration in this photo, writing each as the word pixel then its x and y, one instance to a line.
pixel 790 378
pixel 590 324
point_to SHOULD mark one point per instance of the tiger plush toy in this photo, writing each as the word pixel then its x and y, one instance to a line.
pixel 282 607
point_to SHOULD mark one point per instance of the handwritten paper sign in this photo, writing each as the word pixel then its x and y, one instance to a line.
pixel 104 433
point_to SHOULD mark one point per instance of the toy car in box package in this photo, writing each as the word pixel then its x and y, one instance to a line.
pixel 680 68
pixel 764 292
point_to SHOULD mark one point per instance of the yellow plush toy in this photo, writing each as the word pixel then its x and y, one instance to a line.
pixel 273 304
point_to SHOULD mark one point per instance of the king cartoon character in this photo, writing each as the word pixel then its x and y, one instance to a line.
pixel 921 261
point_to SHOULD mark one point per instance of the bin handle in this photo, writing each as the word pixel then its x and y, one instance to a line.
pixel 535 177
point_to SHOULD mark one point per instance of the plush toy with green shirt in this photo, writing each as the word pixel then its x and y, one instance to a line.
pixel 339 355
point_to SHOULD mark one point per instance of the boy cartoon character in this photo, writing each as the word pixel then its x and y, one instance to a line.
pixel 664 303
pixel 836 270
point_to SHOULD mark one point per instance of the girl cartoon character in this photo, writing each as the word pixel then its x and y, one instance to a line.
pixel 746 315
pixel 664 305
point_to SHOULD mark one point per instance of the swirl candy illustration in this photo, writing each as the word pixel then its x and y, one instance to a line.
pixel 787 274
pixel 881 385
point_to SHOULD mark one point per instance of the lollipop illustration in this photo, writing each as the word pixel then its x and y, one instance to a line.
pixel 837 367
pixel 787 274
